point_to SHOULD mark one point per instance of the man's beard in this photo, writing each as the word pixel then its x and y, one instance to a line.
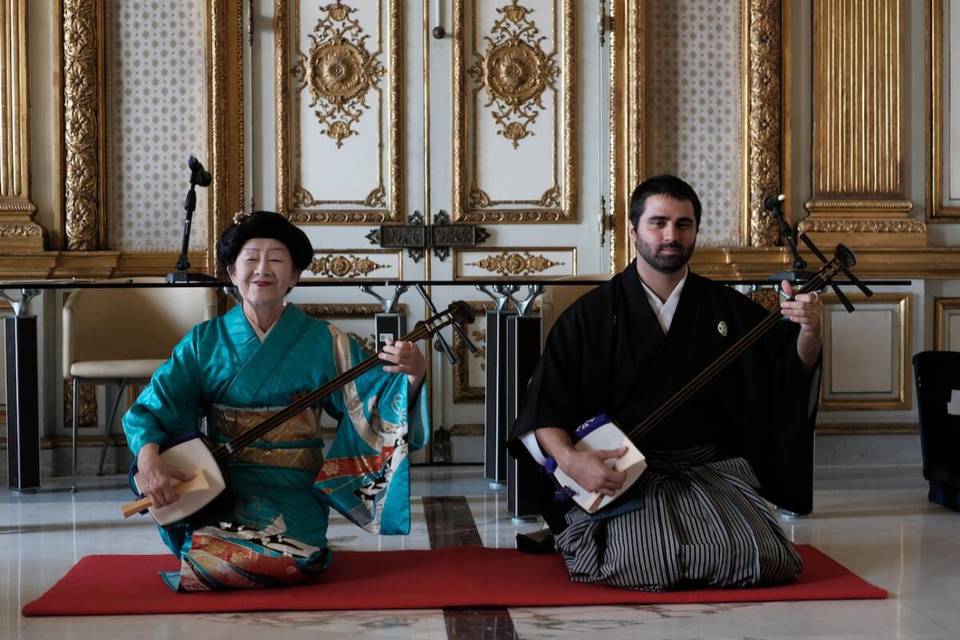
pixel 665 262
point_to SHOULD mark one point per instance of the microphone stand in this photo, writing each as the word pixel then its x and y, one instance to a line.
pixel 182 273
pixel 799 273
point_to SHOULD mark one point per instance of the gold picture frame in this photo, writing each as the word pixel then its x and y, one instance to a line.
pixel 943 308
pixel 936 125
pixel 765 78
pixel 83 59
pixel 899 396
pixel 464 389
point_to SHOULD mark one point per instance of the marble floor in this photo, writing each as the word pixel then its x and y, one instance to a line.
pixel 874 520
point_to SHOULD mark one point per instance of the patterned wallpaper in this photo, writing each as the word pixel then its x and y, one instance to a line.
pixel 693 105
pixel 156 118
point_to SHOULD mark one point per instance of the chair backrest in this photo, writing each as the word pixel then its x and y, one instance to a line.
pixel 556 298
pixel 937 374
pixel 131 324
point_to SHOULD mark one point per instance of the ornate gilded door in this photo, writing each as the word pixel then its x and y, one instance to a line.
pixel 371 118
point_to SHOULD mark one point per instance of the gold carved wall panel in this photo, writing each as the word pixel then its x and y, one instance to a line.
pixel 859 111
pixel 18 231
pixel 943 195
pixel 858 98
pixel 654 117
pixel 338 103
pixel 515 125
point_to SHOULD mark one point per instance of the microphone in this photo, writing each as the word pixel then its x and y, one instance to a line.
pixel 773 201
pixel 199 176
pixel 774 204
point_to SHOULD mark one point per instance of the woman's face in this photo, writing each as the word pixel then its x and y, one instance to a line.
pixel 263 272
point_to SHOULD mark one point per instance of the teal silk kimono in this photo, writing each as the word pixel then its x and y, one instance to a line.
pixel 284 482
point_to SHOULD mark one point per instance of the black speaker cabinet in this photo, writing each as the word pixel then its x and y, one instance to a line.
pixel 23 418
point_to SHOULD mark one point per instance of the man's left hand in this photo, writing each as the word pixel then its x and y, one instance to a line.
pixel 806 310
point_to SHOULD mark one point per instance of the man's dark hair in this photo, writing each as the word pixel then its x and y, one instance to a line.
pixel 663 185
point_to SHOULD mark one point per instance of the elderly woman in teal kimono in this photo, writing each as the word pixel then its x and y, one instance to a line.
pixel 241 368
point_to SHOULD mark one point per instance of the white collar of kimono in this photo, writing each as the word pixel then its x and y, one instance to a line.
pixel 665 310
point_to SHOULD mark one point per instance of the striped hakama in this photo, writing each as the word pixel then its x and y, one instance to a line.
pixel 692 520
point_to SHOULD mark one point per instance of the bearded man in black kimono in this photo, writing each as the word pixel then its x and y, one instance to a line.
pixel 698 516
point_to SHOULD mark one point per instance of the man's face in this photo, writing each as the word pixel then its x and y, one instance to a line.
pixel 666 233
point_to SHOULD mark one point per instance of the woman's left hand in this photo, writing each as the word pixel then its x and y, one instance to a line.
pixel 406 358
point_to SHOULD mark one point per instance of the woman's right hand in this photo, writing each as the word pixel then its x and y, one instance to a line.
pixel 156 477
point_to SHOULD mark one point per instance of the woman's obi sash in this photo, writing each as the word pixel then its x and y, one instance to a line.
pixel 295 444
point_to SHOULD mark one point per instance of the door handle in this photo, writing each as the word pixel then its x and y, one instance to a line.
pixel 438 31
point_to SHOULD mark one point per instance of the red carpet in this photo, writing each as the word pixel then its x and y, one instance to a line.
pixel 439 578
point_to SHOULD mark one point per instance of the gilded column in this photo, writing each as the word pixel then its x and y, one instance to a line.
pixel 83 115
pixel 763 123
pixel 281 44
pixel 18 231
pixel 627 118
pixel 226 117
pixel 859 76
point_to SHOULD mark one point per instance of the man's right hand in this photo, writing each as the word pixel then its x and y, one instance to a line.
pixel 156 477
pixel 590 471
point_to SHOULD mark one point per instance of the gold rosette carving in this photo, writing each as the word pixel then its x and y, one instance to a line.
pixel 478 198
pixel 515 71
pixel 338 71
pixel 515 264
pixel 550 197
pixel 343 266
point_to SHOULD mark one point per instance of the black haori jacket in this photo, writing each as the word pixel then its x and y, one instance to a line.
pixel 608 354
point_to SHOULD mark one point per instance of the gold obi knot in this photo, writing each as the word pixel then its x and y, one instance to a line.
pixel 278 447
